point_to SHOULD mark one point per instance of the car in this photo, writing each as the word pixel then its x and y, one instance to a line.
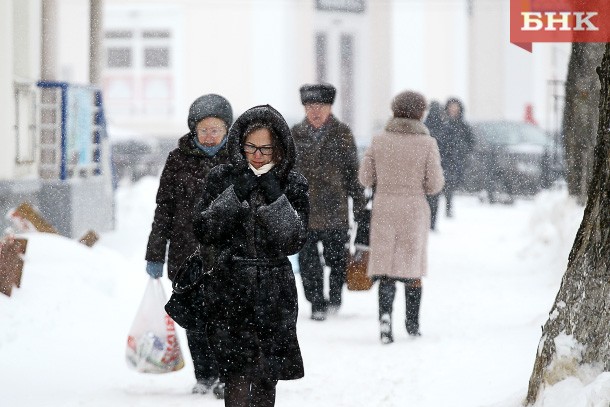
pixel 134 159
pixel 509 159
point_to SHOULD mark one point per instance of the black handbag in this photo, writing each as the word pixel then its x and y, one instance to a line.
pixel 186 304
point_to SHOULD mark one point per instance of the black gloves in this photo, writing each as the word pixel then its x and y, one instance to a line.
pixel 270 185
pixel 246 181
pixel 244 184
pixel 364 223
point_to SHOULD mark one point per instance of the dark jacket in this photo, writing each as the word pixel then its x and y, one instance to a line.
pixel 330 165
pixel 250 296
pixel 180 188
pixel 455 143
pixel 435 121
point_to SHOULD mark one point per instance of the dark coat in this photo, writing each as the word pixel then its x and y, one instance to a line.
pixel 180 188
pixel 455 143
pixel 250 296
pixel 435 121
pixel 330 165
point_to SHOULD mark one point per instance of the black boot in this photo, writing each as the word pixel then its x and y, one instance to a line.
pixel 413 299
pixel 387 290
pixel 219 390
pixel 385 329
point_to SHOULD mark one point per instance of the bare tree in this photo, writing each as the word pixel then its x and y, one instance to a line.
pixel 581 311
pixel 580 116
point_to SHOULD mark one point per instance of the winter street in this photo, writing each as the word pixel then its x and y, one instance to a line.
pixel 180 182
pixel 494 272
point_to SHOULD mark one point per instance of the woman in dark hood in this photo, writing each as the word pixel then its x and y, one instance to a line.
pixel 252 216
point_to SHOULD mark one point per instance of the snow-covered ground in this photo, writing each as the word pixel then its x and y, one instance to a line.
pixel 494 272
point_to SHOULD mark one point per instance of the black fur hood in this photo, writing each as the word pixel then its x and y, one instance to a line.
pixel 268 115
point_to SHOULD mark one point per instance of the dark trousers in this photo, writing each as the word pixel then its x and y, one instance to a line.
pixel 448 192
pixel 249 392
pixel 204 361
pixel 387 292
pixel 311 266
pixel 433 202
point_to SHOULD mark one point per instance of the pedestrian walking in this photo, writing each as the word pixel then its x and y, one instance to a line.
pixel 328 158
pixel 404 164
pixel 180 186
pixel 253 214
pixel 435 120
pixel 455 143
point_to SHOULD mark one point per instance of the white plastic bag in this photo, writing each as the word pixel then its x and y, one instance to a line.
pixel 152 344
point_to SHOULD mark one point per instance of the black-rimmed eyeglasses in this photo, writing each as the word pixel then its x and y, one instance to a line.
pixel 251 149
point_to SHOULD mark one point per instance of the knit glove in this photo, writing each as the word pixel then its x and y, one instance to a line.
pixel 244 184
pixel 154 269
pixel 270 185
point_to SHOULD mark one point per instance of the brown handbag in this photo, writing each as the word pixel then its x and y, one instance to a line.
pixel 356 277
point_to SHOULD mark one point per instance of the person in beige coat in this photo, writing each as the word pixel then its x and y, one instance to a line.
pixel 402 165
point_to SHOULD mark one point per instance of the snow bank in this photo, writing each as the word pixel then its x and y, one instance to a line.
pixel 550 232
pixel 493 275
pixel 577 391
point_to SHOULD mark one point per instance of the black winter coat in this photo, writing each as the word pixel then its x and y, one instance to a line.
pixel 180 189
pixel 250 296
pixel 455 143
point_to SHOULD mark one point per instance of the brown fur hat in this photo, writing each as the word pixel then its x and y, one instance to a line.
pixel 409 105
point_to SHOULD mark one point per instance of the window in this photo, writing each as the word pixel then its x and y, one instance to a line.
pixel 25 123
pixel 155 34
pixel 119 57
pixel 351 6
pixel 157 57
pixel 119 34
pixel 139 79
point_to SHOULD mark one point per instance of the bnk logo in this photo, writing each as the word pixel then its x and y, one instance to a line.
pixel 559 21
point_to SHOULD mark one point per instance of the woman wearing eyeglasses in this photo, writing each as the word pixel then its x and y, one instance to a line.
pixel 253 215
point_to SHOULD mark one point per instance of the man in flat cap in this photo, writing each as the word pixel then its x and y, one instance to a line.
pixel 327 156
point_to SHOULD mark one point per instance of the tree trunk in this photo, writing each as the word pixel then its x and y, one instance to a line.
pixel 580 116
pixel 580 316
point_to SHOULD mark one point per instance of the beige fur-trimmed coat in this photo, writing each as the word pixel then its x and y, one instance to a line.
pixel 404 164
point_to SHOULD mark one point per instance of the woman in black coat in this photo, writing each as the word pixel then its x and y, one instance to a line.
pixel 253 215
pixel 455 143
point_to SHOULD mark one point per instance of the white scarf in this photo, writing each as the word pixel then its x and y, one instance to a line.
pixel 262 170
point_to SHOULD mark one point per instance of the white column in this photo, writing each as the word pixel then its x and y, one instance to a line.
pixel 488 40
pixel 7 94
pixel 96 14
pixel 49 40
pixel 27 39
pixel 380 72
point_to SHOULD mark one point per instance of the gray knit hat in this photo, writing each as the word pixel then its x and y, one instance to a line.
pixel 211 105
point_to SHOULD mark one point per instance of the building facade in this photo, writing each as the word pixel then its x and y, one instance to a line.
pixel 159 55
pixel 55 153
